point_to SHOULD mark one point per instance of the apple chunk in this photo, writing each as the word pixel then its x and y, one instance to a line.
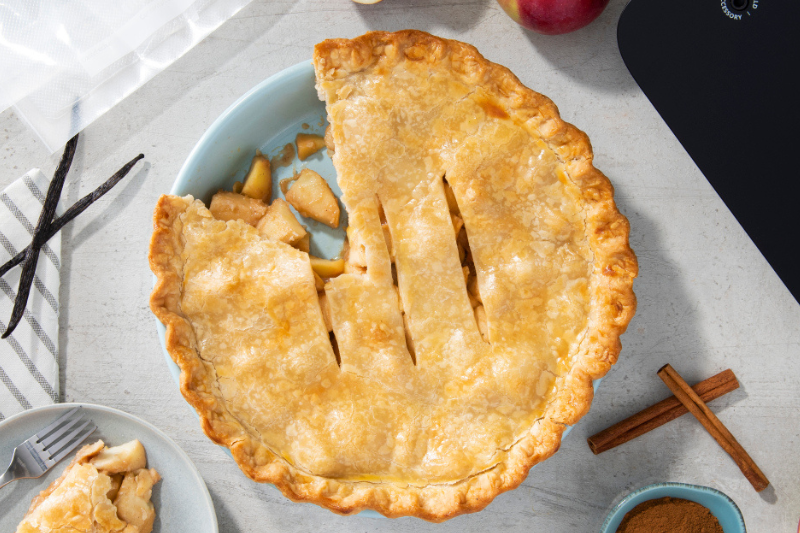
pixel 308 144
pixel 258 182
pixel 133 500
pixel 279 224
pixel 231 206
pixel 122 458
pixel 312 197
pixel 304 244
pixel 326 268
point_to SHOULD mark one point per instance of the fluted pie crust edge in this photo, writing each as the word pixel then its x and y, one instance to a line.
pixel 613 302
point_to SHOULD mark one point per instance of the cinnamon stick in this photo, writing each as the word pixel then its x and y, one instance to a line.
pixel 700 410
pixel 659 414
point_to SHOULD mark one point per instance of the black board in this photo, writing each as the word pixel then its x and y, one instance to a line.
pixel 724 75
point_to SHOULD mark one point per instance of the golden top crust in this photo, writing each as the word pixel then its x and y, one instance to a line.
pixel 444 432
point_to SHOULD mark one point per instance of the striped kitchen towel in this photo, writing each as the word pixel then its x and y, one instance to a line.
pixel 29 356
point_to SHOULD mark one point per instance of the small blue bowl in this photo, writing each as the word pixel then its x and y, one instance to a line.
pixel 720 505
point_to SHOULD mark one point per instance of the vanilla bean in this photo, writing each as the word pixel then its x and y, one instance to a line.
pixel 76 209
pixel 45 220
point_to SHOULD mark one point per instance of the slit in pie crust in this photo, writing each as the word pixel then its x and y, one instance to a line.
pixel 443 430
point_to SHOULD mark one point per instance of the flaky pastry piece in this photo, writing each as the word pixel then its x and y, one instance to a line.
pixel 431 407
pixel 103 490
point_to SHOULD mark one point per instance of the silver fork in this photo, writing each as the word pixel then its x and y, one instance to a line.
pixel 42 451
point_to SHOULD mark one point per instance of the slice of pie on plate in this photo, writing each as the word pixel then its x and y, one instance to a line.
pixel 487 282
pixel 103 490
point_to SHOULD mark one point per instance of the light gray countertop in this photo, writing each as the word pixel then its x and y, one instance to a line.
pixel 707 298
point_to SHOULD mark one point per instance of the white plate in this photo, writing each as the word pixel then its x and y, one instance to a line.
pixel 181 498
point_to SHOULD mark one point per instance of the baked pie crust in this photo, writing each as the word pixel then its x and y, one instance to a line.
pixel 441 423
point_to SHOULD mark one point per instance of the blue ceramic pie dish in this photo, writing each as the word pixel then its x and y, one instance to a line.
pixel 720 505
pixel 266 118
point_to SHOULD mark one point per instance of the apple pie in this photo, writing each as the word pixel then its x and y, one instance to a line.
pixel 103 490
pixel 486 282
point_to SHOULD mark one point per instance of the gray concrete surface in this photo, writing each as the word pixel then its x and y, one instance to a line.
pixel 707 299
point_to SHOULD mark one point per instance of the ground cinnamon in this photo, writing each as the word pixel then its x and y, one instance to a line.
pixel 669 515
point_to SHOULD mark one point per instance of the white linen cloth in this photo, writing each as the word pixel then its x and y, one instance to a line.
pixel 29 356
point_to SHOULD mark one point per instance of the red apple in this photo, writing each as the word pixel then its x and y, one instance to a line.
pixel 553 17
